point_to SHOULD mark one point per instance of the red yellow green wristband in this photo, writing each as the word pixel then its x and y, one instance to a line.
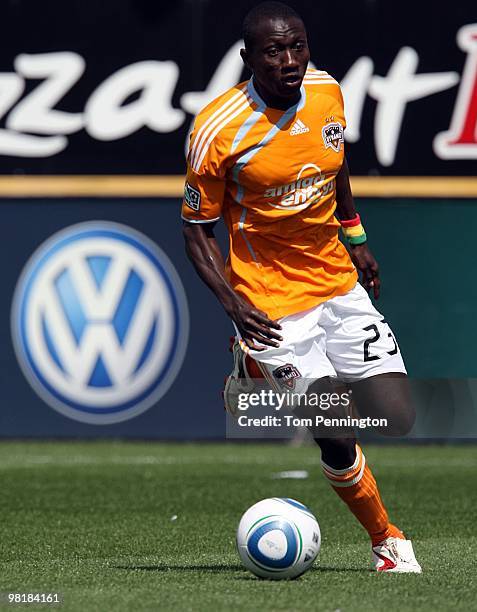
pixel 353 230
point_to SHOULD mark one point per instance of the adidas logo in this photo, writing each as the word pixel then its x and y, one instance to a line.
pixel 299 128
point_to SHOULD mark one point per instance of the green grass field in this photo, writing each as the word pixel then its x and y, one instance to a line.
pixel 94 521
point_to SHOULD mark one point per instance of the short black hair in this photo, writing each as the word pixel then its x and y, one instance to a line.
pixel 267 10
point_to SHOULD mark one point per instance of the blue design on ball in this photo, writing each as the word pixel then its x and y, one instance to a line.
pixel 295 503
pixel 292 545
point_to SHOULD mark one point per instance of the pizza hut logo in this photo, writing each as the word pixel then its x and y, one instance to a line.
pixel 333 136
pixel 286 375
pixel 33 127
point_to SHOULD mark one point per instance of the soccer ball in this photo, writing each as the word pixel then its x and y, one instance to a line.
pixel 278 538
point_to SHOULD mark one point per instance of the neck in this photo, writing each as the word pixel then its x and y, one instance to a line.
pixel 277 102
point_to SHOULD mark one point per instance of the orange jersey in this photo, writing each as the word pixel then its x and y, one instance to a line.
pixel 271 175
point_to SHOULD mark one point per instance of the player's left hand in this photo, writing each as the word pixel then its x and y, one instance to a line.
pixel 364 261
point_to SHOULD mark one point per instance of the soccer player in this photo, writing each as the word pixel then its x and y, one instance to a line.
pixel 268 157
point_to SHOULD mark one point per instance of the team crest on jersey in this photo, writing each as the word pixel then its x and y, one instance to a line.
pixel 333 136
pixel 286 375
pixel 192 197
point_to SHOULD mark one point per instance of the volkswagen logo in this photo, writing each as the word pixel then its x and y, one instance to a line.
pixel 100 322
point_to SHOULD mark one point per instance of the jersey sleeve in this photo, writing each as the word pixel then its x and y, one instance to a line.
pixel 339 95
pixel 205 181
pixel 333 88
pixel 323 83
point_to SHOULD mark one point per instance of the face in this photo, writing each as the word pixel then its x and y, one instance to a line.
pixel 278 59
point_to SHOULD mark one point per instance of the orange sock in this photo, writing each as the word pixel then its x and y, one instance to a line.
pixel 358 489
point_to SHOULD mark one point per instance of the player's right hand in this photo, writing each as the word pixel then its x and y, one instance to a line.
pixel 256 329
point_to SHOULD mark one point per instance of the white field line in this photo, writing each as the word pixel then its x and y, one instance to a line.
pixel 22 461
pixel 13 461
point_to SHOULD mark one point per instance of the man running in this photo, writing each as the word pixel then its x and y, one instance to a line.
pixel 268 157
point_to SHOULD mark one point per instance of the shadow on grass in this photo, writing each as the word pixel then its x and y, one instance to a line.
pixel 181 568
pixel 322 568
pixel 318 570
pixel 230 568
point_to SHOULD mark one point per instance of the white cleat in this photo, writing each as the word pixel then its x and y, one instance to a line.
pixel 395 555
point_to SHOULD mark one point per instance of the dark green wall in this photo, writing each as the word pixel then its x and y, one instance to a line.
pixel 428 262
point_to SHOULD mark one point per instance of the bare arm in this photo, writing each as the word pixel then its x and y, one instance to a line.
pixel 204 252
pixel 362 257
pixel 345 206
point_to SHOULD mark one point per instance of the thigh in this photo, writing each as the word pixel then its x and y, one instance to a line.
pixel 360 342
pixel 301 357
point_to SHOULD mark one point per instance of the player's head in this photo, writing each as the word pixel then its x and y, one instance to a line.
pixel 276 50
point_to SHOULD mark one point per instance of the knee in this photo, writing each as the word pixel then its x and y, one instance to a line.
pixel 386 396
pixel 400 419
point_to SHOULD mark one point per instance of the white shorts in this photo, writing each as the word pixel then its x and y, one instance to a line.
pixel 345 338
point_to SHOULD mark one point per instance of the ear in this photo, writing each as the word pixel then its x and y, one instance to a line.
pixel 245 55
